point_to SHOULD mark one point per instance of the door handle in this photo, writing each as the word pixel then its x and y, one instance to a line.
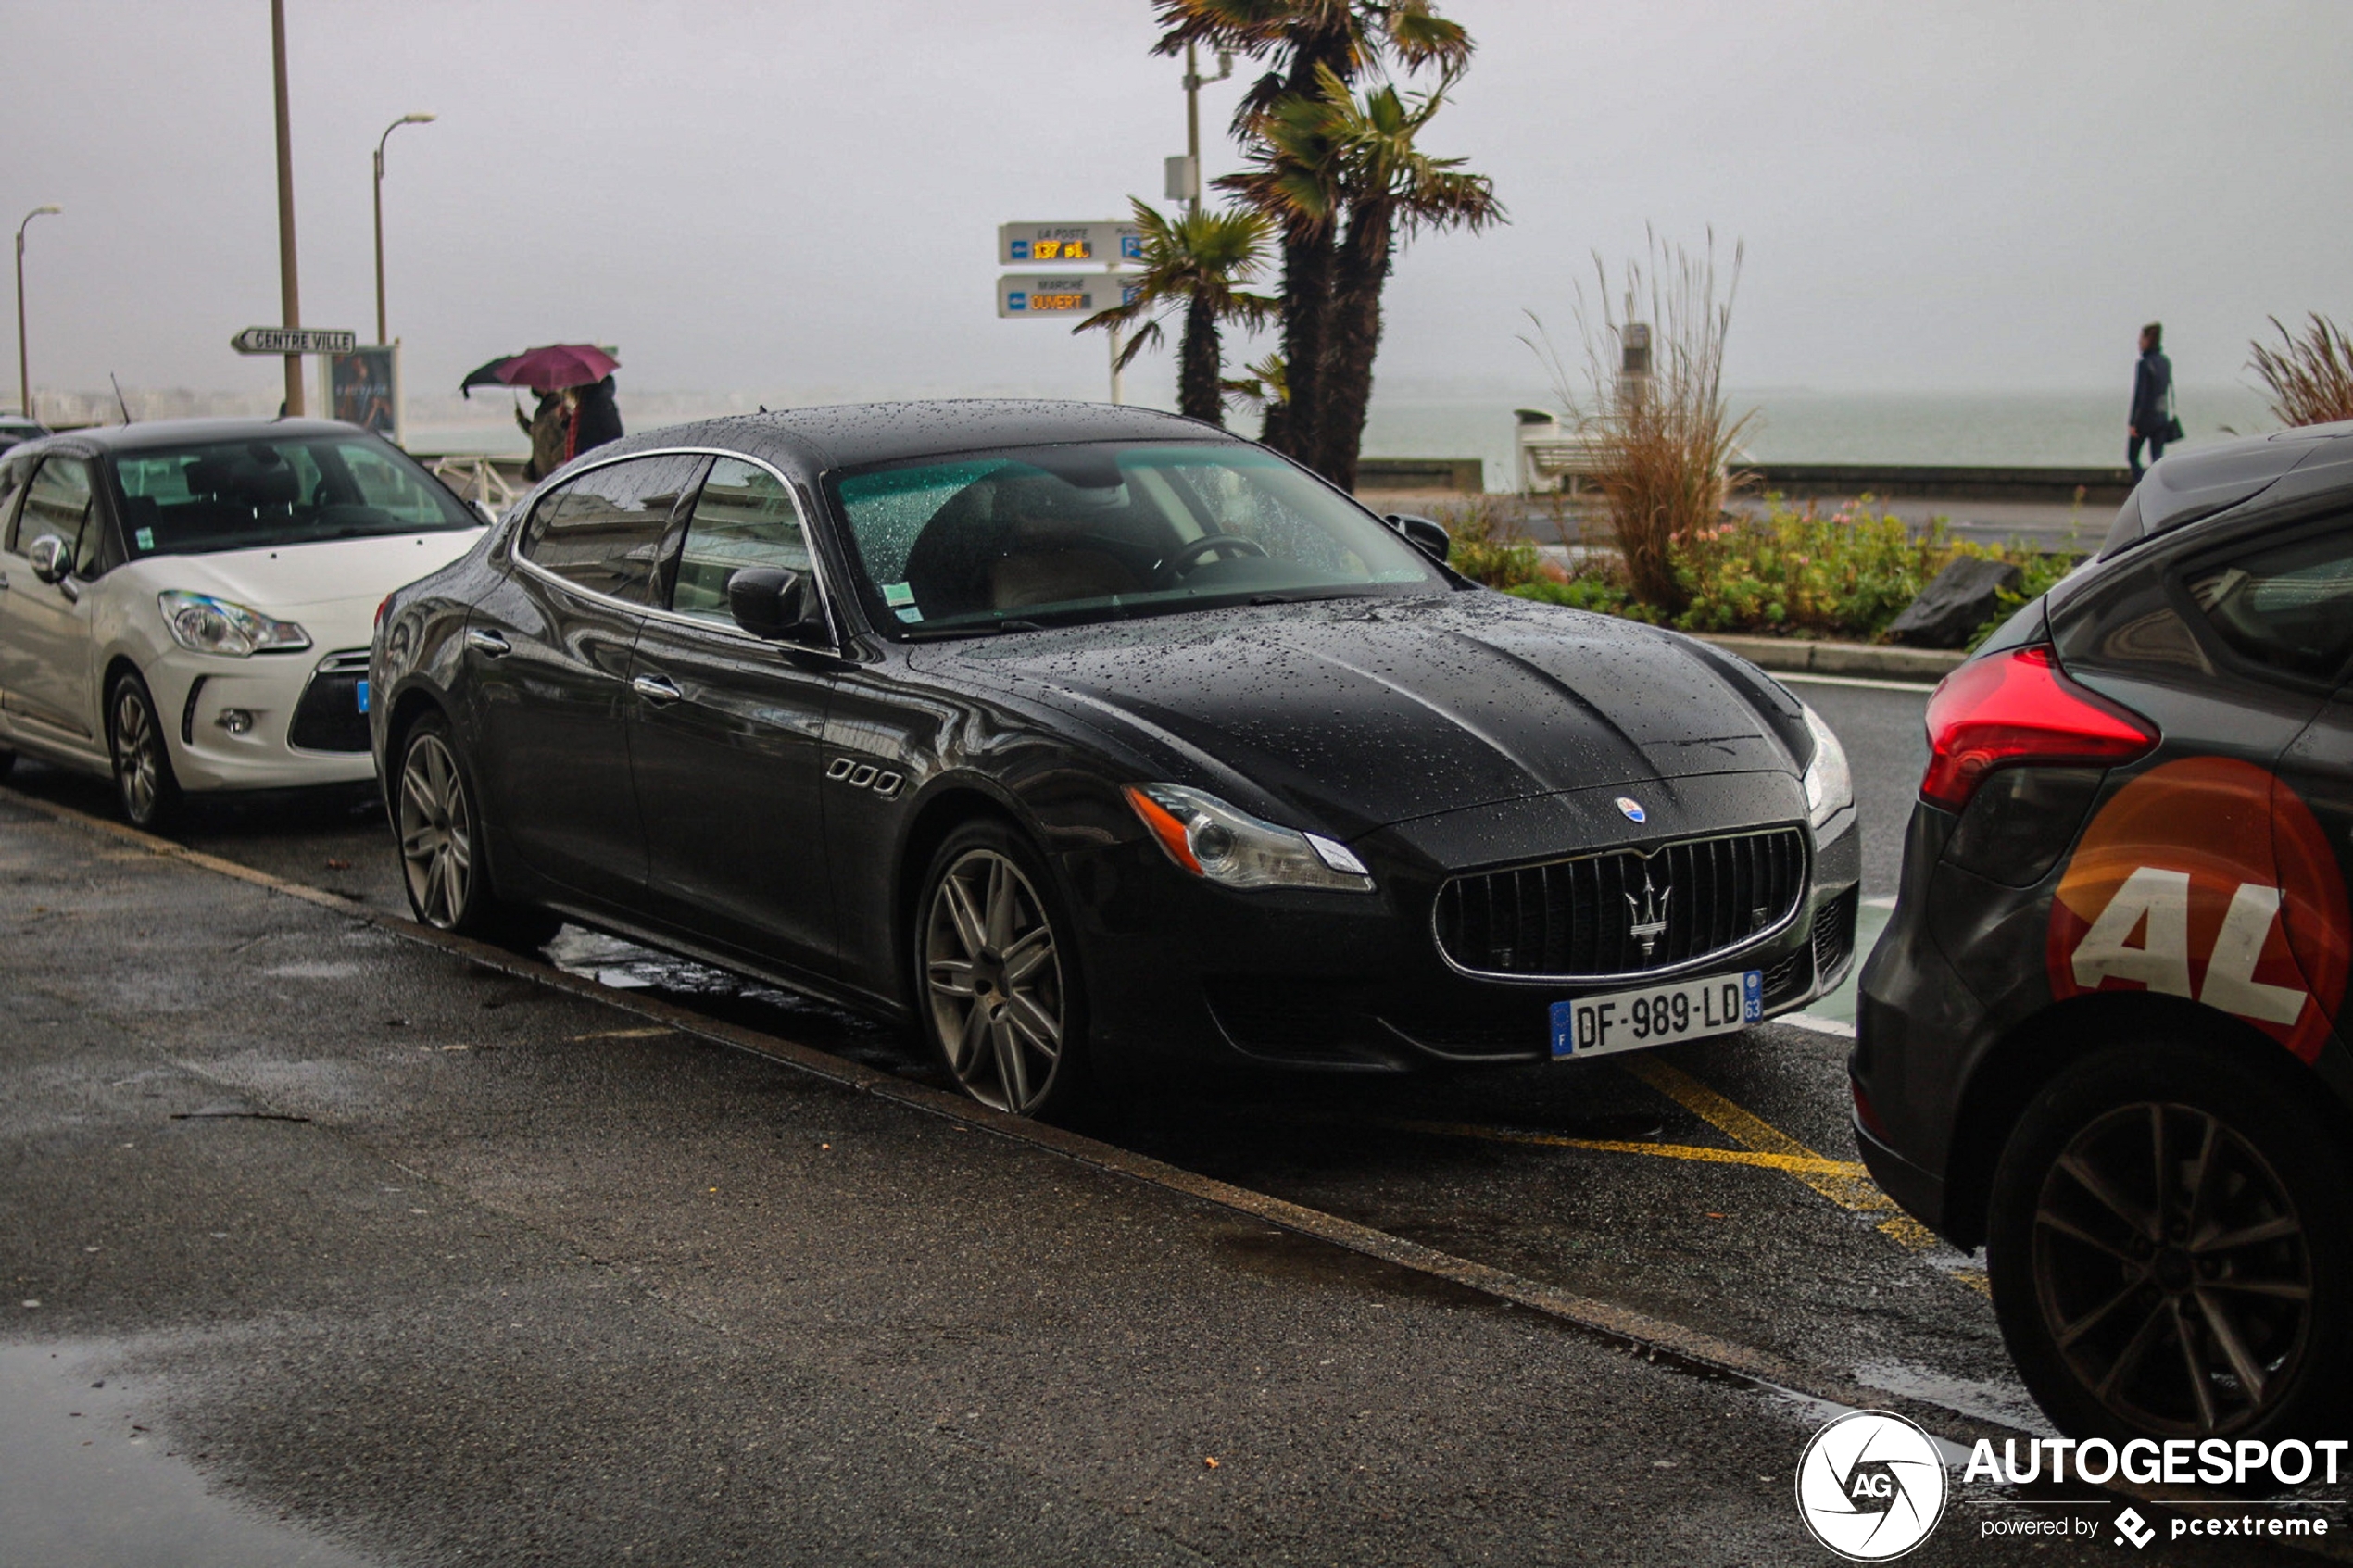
pixel 490 645
pixel 660 690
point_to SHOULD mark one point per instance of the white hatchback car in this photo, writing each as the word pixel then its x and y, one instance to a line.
pixel 187 604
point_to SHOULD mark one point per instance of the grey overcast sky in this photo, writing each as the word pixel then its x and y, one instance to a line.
pixel 795 199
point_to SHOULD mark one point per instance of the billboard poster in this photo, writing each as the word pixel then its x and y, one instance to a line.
pixel 363 388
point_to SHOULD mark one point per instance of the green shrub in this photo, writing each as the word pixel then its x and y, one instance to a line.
pixel 1489 547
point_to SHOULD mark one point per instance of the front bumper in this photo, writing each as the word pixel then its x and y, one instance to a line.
pixel 1179 969
pixel 295 735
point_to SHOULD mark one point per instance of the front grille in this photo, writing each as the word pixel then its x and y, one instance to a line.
pixel 1623 912
pixel 1787 978
pixel 328 717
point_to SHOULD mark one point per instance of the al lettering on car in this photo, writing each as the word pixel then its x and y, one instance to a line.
pixel 2207 879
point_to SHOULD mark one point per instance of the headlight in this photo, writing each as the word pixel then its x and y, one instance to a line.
pixel 203 624
pixel 1233 848
pixel 1830 784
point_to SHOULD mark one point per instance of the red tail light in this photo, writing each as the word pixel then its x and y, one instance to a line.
pixel 2019 707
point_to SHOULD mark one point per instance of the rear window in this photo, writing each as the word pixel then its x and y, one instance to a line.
pixel 273 490
pixel 2289 606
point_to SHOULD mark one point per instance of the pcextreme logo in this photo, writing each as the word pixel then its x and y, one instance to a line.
pixel 2208 878
pixel 1870 1486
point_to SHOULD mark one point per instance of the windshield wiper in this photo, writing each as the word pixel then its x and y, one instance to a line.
pixel 977 629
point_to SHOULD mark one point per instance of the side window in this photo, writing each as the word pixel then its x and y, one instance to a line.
pixel 743 517
pixel 14 471
pixel 605 531
pixel 57 503
pixel 2289 606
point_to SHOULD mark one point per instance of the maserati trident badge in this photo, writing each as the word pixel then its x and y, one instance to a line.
pixel 1649 915
pixel 1632 807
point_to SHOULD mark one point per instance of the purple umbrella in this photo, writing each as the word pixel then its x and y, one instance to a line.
pixel 557 366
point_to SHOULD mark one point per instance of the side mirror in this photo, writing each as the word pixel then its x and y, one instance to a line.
pixel 51 562
pixel 777 604
pixel 1429 537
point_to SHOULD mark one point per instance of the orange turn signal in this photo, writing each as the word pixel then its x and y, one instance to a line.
pixel 1166 828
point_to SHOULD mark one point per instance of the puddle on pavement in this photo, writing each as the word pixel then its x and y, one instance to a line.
pixel 82 1484
pixel 2006 1403
pixel 625 966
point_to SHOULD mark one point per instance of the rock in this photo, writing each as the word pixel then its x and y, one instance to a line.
pixel 1963 597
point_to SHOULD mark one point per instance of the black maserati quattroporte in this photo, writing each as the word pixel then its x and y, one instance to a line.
pixel 1078 736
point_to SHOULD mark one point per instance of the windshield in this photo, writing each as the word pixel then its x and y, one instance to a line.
pixel 1098 532
pixel 276 489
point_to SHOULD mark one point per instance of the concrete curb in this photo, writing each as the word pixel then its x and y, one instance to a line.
pixel 1798 655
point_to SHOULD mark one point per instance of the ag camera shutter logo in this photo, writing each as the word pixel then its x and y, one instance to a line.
pixel 1871 1486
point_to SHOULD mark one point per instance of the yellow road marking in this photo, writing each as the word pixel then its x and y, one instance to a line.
pixel 619 1035
pixel 1813 1164
pixel 1846 1184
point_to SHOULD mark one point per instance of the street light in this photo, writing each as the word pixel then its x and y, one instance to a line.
pixel 24 370
pixel 404 120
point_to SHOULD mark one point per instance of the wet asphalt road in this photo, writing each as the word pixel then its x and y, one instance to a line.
pixel 534 1282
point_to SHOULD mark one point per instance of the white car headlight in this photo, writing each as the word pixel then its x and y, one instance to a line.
pixel 1830 784
pixel 203 624
pixel 1231 847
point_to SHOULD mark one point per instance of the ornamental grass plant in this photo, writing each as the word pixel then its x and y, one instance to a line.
pixel 2309 377
pixel 1650 405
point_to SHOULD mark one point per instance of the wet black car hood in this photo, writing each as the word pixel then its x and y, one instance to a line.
pixel 1365 712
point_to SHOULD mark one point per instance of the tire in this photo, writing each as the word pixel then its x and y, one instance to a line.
pixel 997 994
pixel 437 830
pixel 2214 1302
pixel 145 786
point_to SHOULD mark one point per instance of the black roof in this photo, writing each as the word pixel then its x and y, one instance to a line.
pixel 2205 481
pixel 854 434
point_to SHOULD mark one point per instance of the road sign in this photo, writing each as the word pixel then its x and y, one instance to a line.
pixel 1104 243
pixel 1063 294
pixel 293 340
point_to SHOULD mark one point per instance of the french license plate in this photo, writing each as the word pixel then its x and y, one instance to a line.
pixel 1658 1015
pixel 362 689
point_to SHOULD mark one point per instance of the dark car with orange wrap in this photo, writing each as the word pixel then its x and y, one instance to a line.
pixel 2105 1033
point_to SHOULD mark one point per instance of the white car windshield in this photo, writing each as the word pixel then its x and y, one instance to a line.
pixel 1101 531
pixel 271 491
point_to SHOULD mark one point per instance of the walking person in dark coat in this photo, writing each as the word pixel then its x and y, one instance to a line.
pixel 595 419
pixel 2152 419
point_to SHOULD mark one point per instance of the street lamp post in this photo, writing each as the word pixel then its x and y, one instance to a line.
pixel 24 362
pixel 404 120
pixel 1183 183
pixel 289 291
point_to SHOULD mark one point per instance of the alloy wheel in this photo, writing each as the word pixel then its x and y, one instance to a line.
pixel 138 749
pixel 436 833
pixel 2172 1271
pixel 995 981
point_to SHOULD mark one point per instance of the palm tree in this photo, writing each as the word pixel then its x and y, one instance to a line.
pixel 1289 182
pixel 1393 190
pixel 1197 264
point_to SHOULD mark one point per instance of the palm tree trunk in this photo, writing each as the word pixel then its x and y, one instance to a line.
pixel 1201 366
pixel 1352 339
pixel 1307 293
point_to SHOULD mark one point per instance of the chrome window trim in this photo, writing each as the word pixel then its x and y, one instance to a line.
pixel 825 597
pixel 1639 976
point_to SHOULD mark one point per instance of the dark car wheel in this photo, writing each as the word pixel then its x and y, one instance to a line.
pixel 1001 998
pixel 440 846
pixel 2170 1249
pixel 145 784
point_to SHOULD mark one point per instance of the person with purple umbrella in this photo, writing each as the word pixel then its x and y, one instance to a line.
pixel 595 418
pixel 549 426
